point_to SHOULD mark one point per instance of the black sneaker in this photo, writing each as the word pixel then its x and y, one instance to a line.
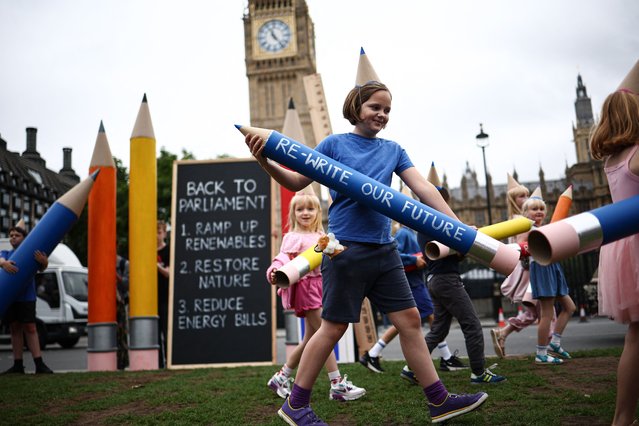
pixel 14 370
pixel 452 364
pixel 43 369
pixel 371 362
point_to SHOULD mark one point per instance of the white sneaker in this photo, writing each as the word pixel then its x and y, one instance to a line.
pixel 280 384
pixel 345 391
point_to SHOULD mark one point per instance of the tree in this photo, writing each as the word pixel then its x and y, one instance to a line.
pixel 122 208
pixel 165 180
pixel 77 238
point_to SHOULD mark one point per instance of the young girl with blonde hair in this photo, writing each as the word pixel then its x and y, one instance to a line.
pixel 548 286
pixel 305 296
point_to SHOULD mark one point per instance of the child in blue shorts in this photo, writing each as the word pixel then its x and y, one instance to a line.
pixel 370 266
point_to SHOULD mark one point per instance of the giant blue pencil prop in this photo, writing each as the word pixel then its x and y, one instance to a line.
pixel 386 200
pixel 44 237
pixel 585 231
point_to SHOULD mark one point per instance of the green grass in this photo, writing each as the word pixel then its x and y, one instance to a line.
pixel 580 392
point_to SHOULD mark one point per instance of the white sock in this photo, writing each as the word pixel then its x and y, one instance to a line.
pixel 556 339
pixel 443 349
pixel 286 371
pixel 377 349
pixel 542 350
pixel 334 376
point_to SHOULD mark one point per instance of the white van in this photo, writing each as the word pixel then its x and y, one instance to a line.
pixel 62 305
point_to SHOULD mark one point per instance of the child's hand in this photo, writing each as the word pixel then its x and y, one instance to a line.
pixel 256 145
pixel 9 266
pixel 41 257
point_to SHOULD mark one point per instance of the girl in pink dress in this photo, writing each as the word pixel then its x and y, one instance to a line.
pixel 615 139
pixel 517 285
pixel 305 296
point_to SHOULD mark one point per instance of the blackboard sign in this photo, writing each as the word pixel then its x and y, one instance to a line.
pixel 221 308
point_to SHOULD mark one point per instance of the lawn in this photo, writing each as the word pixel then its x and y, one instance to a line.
pixel 581 392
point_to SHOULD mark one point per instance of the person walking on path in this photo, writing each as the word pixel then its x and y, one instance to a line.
pixel 21 314
pixel 452 301
pixel 305 296
pixel 370 266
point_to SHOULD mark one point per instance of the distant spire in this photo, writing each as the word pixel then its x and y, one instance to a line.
pixel 581 89
pixel 291 104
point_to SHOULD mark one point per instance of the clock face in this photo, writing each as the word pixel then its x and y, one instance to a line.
pixel 274 36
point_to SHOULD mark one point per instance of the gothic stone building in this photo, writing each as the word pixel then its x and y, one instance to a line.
pixel 590 187
pixel 27 186
pixel 590 190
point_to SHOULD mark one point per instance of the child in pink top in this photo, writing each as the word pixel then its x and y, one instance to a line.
pixel 305 296
pixel 615 139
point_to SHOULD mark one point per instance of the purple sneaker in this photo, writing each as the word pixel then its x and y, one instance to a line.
pixel 455 405
pixel 299 416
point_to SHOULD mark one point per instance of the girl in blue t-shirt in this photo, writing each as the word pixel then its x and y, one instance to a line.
pixel 370 266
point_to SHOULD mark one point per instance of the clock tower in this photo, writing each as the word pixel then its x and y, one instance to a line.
pixel 279 44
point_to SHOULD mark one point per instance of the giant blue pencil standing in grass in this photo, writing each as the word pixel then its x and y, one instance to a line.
pixel 386 200
pixel 45 236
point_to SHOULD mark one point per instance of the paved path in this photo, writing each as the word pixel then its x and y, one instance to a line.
pixel 596 333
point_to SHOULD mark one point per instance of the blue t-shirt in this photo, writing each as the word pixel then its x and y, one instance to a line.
pixel 407 245
pixel 376 158
pixel 29 293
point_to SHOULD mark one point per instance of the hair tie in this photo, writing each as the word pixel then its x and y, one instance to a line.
pixel 627 91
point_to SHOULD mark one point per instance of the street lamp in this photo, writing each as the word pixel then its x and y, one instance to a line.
pixel 482 142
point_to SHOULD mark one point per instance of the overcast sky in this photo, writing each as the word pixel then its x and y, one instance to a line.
pixel 512 65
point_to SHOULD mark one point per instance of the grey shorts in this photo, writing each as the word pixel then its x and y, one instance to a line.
pixel 364 270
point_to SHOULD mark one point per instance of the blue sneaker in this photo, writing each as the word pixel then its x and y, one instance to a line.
pixel 558 351
pixel 487 377
pixel 408 375
pixel 299 416
pixel 456 405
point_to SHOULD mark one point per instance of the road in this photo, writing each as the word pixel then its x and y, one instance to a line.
pixel 596 333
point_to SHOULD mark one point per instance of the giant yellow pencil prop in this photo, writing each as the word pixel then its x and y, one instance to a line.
pixel 143 290
pixel 301 265
pixel 435 250
pixel 102 347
